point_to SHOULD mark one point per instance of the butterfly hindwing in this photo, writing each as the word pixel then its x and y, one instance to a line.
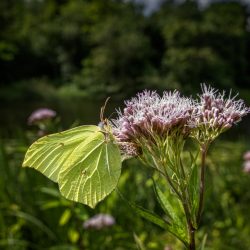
pixel 95 174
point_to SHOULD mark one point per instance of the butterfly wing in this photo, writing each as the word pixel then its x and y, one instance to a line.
pixel 50 153
pixel 94 173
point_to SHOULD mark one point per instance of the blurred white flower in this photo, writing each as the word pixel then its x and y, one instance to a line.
pixel 99 221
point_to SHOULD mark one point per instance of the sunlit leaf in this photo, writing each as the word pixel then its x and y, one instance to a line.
pixel 73 235
pixel 65 217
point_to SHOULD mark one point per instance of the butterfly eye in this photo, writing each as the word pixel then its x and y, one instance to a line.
pixel 101 125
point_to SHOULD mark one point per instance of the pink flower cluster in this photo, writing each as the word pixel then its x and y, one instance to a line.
pixel 148 115
pixel 217 112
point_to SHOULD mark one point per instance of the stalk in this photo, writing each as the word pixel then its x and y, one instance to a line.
pixel 202 182
pixel 190 227
pixel 191 238
pixel 185 203
pixel 186 206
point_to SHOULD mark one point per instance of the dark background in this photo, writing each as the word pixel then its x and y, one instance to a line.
pixel 94 49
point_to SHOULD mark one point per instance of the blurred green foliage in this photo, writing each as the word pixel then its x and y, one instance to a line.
pixel 97 48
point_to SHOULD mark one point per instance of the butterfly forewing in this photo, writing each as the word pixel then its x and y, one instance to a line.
pixel 50 153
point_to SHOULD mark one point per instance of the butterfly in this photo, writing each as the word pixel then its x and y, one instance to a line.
pixel 85 161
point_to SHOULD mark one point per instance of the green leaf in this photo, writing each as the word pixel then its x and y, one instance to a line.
pixel 157 220
pixel 65 217
pixel 176 226
pixel 138 242
pixel 50 191
pixel 54 204
pixel 154 218
pixel 203 243
pixel 166 205
pixel 148 215
pixel 49 153
pixel 179 233
pixel 30 218
pixel 84 161
pixel 73 235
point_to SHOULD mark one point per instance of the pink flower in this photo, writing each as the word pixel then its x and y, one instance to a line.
pixel 246 167
pixel 40 115
pixel 99 221
pixel 246 156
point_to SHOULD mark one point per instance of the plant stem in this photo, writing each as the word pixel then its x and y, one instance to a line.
pixel 183 197
pixel 191 229
pixel 202 182
pixel 191 238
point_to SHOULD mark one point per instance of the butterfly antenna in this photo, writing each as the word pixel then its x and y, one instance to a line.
pixel 103 110
pixel 111 115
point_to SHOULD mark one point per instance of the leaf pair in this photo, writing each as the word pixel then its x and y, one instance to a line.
pixel 84 161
